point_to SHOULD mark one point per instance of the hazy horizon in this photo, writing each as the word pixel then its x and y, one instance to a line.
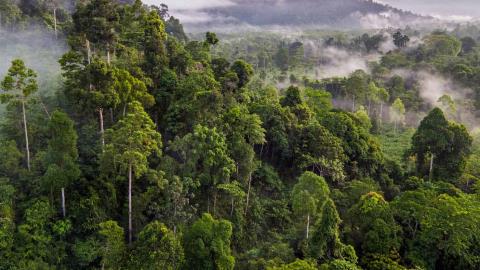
pixel 462 10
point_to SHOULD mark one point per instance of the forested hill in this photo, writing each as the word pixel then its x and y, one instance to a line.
pixel 155 152
pixel 333 13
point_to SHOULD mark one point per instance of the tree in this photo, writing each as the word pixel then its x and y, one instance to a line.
pixel 373 226
pixel 397 112
pixel 10 159
pixel 157 248
pixel 325 244
pixel 211 38
pixel 207 245
pixel 130 89
pixel 10 14
pixel 156 58
pixel 308 197
pixel 440 147
pixel 244 72
pixel 444 223
pixel 357 86
pixel 204 158
pixel 112 244
pixel 97 21
pixel 439 44
pixel 131 141
pixel 400 40
pixel 19 84
pixel 61 155
pixel 319 101
pixel 34 241
pixel 244 130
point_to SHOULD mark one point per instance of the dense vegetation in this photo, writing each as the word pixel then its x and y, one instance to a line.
pixel 160 152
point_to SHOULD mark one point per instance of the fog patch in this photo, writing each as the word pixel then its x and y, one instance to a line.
pixel 40 50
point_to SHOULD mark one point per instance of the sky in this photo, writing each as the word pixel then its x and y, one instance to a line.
pixel 440 8
pixel 447 8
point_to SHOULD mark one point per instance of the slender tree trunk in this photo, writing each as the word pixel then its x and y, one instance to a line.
pixel 231 209
pixel 125 109
pixel 130 203
pixel 64 212
pixel 102 131
pixel 26 134
pixel 308 225
pixel 381 112
pixel 44 107
pixel 89 51
pixel 55 21
pixel 108 54
pixel 248 192
pixel 431 167
pixel 208 203
pixel 112 118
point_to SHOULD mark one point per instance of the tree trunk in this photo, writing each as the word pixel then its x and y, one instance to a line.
pixel 26 134
pixel 381 112
pixel 308 225
pixel 55 21
pixel 108 54
pixel 130 203
pixel 231 209
pixel 248 192
pixel 431 167
pixel 102 131
pixel 89 51
pixel 112 118
pixel 64 212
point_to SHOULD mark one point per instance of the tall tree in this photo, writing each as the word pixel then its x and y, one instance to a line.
pixel 397 112
pixel 308 197
pixel 325 244
pixel 97 21
pixel 440 147
pixel 131 141
pixel 61 155
pixel 19 84
pixel 154 49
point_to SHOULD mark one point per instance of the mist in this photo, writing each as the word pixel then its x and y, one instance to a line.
pixel 40 50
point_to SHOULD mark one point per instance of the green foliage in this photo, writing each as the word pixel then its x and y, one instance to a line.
pixel 112 244
pixel 207 244
pixel 296 171
pixel 297 265
pixel 447 143
pixel 309 194
pixel 157 248
pixel 442 45
pixel 132 140
pixel 61 155
pixel 19 83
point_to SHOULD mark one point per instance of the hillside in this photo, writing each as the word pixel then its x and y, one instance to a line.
pixel 328 13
